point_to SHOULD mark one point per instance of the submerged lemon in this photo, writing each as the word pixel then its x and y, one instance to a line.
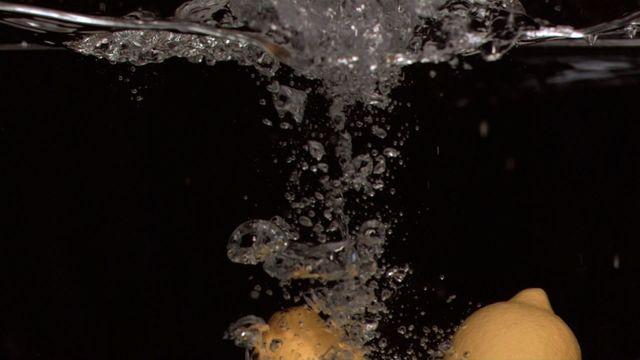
pixel 301 334
pixel 523 328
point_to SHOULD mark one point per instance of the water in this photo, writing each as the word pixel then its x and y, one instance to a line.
pixel 355 48
pixel 332 238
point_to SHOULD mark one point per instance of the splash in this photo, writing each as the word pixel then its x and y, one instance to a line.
pixel 354 47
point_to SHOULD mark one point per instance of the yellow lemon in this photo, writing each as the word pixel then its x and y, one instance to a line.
pixel 301 334
pixel 523 328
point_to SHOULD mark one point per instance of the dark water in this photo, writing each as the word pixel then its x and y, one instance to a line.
pixel 524 172
pixel 117 211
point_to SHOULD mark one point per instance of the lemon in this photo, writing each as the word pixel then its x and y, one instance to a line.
pixel 523 328
pixel 301 334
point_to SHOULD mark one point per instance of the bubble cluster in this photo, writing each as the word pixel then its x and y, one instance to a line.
pixel 356 47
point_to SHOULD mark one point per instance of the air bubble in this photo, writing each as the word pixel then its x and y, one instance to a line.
pixel 245 332
pixel 285 125
pixel 275 344
pixel 391 152
pixel 254 241
pixel 316 149
pixel 378 131
pixel 305 221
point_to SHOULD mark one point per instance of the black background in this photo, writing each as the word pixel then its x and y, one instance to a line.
pixel 116 212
